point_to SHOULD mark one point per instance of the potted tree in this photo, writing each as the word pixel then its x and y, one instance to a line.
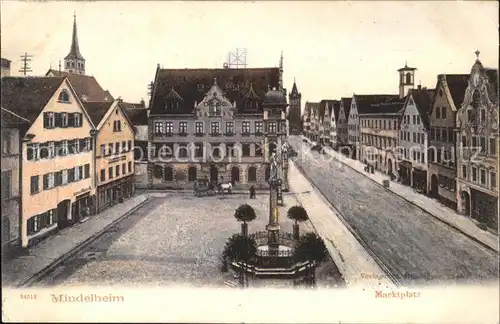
pixel 311 248
pixel 297 214
pixel 244 213
pixel 239 248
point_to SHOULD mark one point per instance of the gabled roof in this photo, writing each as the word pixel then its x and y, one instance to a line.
pixel 86 86
pixel 97 110
pixel 423 101
pixel 251 95
pixel 28 96
pixel 330 103
pixel 457 84
pixel 192 85
pixel 346 103
pixel 366 104
pixel 311 107
pixel 335 105
pixel 10 119
pixel 138 116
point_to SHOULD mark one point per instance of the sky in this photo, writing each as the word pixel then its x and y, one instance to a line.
pixel 331 48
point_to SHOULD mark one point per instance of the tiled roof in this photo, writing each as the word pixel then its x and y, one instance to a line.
pixel 366 104
pixel 86 86
pixel 346 103
pixel 457 84
pixel 192 84
pixel 423 101
pixel 28 96
pixel 390 106
pixel 11 119
pixel 97 110
pixel 5 63
pixel 137 116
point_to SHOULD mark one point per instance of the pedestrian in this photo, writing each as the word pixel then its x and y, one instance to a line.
pixel 252 192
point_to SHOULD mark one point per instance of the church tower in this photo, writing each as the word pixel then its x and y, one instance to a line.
pixel 294 113
pixel 406 80
pixel 74 61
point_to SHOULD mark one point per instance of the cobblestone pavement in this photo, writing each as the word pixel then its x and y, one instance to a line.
pixel 178 240
pixel 416 247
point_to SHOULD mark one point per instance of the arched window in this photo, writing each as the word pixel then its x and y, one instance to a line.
pixel 192 173
pixel 408 78
pixel 168 174
pixel 64 96
pixel 252 174
pixel 235 174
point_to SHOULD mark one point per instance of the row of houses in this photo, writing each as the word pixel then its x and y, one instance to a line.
pixel 66 154
pixel 443 141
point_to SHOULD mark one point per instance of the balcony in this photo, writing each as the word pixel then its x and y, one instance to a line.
pixel 259 133
pixel 215 134
pixel 182 134
pixel 229 134
pixel 199 134
pixel 245 133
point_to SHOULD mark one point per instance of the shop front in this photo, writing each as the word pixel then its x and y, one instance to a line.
pixel 82 207
pixel 419 180
pixel 404 172
pixel 114 192
pixel 484 208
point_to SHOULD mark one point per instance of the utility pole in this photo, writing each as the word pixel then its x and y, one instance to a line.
pixel 25 59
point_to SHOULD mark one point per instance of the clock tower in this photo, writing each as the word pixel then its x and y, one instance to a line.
pixel 294 112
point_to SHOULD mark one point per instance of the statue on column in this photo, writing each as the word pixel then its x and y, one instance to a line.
pixel 273 174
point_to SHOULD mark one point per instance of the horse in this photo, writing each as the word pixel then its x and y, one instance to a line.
pixel 225 187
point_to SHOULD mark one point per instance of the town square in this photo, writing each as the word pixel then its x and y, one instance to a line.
pixel 149 154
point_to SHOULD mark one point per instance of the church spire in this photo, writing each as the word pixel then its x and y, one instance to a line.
pixel 281 72
pixel 74 61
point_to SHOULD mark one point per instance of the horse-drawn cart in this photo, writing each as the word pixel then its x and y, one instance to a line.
pixel 203 187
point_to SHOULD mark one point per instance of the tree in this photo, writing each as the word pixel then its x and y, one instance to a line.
pixel 239 248
pixel 298 214
pixel 310 248
pixel 244 213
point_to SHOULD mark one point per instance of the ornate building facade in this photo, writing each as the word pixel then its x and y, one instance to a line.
pixel 477 147
pixel 209 123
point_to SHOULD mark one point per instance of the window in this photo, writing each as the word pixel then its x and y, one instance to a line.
pixel 34 185
pixel 215 149
pixel 129 145
pixel 103 175
pixel 414 119
pixel 493 180
pixel 6 184
pixel 110 173
pixel 252 174
pixel 198 150
pixel 482 143
pixel 71 175
pixel 63 96
pixel 245 149
pixel 183 152
pixel 168 174
pixel 192 173
pixel 64 177
pixel 117 126
pixel 230 151
pixel 258 149
pixel 474 174
pixel 110 148
pixel 124 168
pixel 229 128
pixel 483 176
pixel 272 127
pixel 118 147
pixel 117 170
pixel 258 128
pixel 438 112
pixel 493 147
pixel 183 128
pixel 48 181
pixel 48 120
pixel 86 171
pixel 214 128
pixel 443 112
pixel 169 128
pixel 78 119
pixel 64 120
pixel 158 127
pixel 245 127
pixel 130 167
pixel 414 137
pixel 418 120
pixel 451 136
pixel 103 150
pixel 124 146
pixel 198 128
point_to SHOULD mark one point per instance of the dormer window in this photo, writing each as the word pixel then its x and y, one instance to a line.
pixel 63 96
pixel 172 100
pixel 214 108
pixel 251 99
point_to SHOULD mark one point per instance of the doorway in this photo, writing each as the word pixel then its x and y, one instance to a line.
pixel 62 213
pixel 466 202
pixel 434 186
pixel 214 174
pixel 235 175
